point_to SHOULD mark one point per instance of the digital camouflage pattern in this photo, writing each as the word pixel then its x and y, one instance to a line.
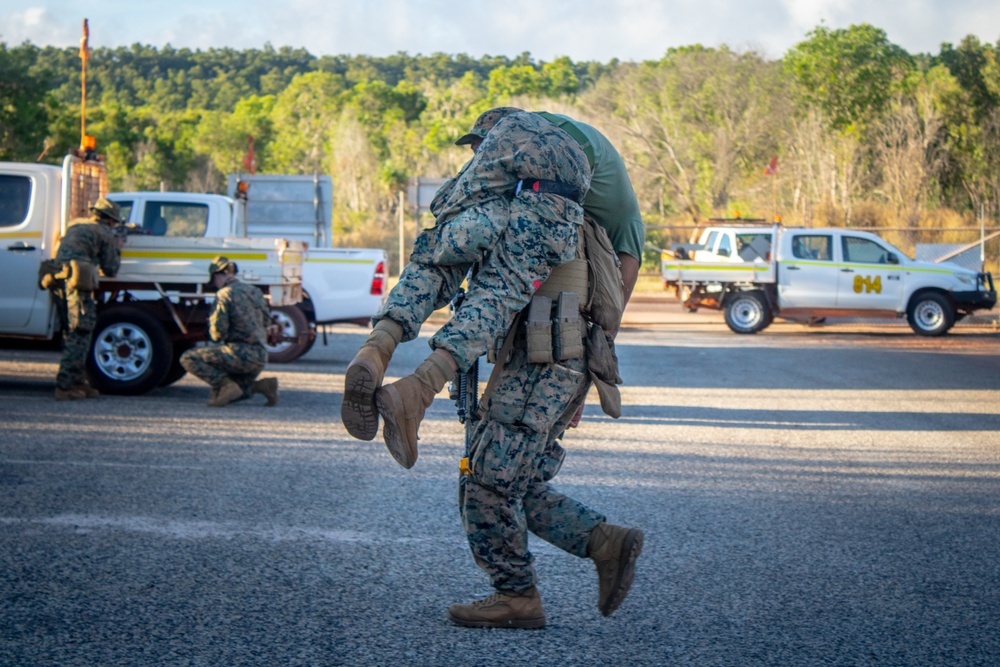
pixel 519 239
pixel 89 241
pixel 513 456
pixel 485 123
pixel 238 330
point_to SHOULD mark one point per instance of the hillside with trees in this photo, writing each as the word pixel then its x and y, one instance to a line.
pixel 865 134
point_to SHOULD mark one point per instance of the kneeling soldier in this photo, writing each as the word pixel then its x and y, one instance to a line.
pixel 236 354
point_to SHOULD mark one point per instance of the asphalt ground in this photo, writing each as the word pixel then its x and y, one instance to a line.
pixel 810 496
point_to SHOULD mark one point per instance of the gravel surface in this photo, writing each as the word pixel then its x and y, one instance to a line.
pixel 810 497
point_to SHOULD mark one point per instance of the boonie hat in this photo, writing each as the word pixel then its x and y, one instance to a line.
pixel 485 123
pixel 108 209
pixel 220 264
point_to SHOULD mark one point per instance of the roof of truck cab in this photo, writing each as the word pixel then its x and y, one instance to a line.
pixel 171 196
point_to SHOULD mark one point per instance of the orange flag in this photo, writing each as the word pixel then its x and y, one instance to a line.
pixel 772 167
pixel 250 160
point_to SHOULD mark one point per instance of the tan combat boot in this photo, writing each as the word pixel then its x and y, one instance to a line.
pixel 71 394
pixel 226 393
pixel 501 610
pixel 364 377
pixel 402 404
pixel 88 391
pixel 614 549
pixel 269 388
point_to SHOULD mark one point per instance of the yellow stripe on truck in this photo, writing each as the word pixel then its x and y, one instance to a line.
pixel 734 267
pixel 20 235
pixel 339 261
pixel 161 254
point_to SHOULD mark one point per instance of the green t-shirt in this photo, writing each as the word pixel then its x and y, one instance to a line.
pixel 611 200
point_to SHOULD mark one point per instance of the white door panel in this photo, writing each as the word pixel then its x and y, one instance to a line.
pixel 21 239
pixel 809 278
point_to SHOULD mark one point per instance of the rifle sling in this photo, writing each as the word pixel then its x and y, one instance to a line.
pixel 491 385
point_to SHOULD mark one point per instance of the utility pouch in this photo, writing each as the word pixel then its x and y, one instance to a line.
pixel 568 336
pixel 83 276
pixel 602 362
pixel 539 330
pixel 50 272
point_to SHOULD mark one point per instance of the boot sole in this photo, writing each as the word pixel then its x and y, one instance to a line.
pixel 389 404
pixel 519 623
pixel 357 410
pixel 632 546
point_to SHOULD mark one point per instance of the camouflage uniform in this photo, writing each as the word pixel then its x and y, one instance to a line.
pixel 513 455
pixel 520 239
pixel 514 450
pixel 90 241
pixel 237 329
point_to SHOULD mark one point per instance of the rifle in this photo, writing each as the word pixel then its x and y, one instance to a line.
pixel 464 390
pixel 125 229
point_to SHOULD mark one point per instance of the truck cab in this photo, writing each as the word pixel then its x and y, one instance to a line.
pixel 181 214
pixel 29 236
pixel 736 244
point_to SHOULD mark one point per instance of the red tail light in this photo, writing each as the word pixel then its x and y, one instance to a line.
pixel 378 280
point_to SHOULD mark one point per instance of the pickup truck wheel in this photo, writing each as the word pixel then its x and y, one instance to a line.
pixel 930 314
pixel 296 334
pixel 176 371
pixel 747 313
pixel 130 354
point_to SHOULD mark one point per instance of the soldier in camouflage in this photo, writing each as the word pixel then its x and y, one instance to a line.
pixel 236 354
pixel 518 240
pixel 89 243
pixel 514 451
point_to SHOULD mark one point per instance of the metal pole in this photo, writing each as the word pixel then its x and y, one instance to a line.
pixel 982 235
pixel 401 221
pixel 84 48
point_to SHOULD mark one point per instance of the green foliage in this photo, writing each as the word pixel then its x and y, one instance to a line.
pixel 853 117
pixel 24 105
pixel 850 74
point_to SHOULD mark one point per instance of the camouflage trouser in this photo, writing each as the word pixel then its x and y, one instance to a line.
pixel 77 317
pixel 239 362
pixel 523 255
pixel 514 454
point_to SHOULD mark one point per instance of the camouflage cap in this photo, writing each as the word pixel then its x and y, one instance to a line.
pixel 485 123
pixel 106 208
pixel 221 264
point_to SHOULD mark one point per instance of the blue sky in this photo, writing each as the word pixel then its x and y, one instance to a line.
pixel 581 29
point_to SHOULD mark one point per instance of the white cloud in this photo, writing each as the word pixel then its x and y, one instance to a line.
pixel 39 26
pixel 582 29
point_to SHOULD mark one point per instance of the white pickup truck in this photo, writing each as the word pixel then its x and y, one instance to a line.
pixel 818 273
pixel 154 309
pixel 338 284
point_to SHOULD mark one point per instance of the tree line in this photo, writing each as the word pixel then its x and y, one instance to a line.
pixel 863 132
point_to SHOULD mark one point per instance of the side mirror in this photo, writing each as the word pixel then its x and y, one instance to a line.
pixel 724 252
pixel 893 258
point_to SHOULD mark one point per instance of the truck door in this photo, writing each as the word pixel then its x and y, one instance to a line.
pixel 807 275
pixel 21 227
pixel 870 276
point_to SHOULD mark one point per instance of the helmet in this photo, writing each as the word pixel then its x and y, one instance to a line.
pixel 105 208
pixel 485 123
pixel 221 265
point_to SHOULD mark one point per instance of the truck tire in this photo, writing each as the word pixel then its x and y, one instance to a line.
pixel 130 354
pixel 176 371
pixel 747 313
pixel 294 326
pixel 930 314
